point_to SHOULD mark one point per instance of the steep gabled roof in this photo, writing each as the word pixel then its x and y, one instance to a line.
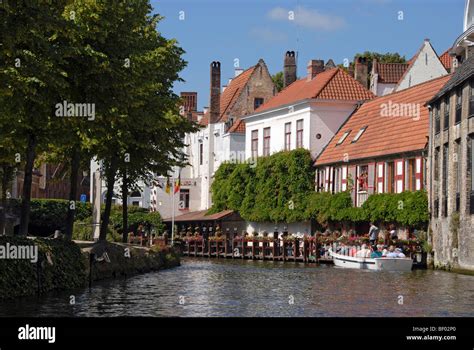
pixel 446 59
pixel 332 84
pixel 391 73
pixel 384 135
pixel 230 95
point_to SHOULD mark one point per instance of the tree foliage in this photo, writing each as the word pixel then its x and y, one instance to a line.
pixel 278 81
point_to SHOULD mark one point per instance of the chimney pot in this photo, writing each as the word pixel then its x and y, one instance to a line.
pixel 314 68
pixel 214 109
pixel 361 71
pixel 289 68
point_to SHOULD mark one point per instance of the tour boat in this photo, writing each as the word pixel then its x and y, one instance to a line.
pixel 377 264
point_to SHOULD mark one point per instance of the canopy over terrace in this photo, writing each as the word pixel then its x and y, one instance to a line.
pixel 228 221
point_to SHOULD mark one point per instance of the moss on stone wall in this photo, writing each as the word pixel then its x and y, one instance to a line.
pixel 62 265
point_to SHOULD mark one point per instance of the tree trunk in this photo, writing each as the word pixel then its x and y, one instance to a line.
pixel 110 178
pixel 27 182
pixel 75 165
pixel 124 207
pixel 6 176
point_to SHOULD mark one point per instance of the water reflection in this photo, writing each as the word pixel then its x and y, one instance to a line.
pixel 254 288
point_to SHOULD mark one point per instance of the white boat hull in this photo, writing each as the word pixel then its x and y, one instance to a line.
pixel 378 264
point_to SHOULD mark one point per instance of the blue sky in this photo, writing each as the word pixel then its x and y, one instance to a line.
pixel 247 30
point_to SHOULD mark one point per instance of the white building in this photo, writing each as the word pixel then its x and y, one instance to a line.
pixel 222 137
pixel 306 114
pixel 426 65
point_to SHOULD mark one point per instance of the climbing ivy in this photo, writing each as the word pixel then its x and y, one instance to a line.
pixel 275 190
pixel 281 189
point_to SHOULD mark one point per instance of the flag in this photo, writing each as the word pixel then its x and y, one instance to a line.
pixel 168 186
pixel 177 184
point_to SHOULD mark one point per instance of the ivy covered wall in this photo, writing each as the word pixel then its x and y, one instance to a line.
pixel 280 188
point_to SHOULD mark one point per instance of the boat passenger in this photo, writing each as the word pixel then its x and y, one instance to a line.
pixel 364 252
pixel 399 253
pixel 375 253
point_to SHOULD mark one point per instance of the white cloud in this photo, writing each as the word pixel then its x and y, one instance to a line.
pixel 267 34
pixel 308 18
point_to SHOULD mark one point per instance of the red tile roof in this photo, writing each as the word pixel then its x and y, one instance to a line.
pixel 230 95
pixel 238 127
pixel 333 84
pixel 446 60
pixel 384 135
pixel 200 215
pixel 391 73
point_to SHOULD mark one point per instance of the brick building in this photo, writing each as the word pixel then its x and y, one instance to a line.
pixel 451 154
pixel 222 137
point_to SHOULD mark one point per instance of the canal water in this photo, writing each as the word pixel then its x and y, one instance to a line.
pixel 202 287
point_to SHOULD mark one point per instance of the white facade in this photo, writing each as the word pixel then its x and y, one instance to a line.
pixel 299 228
pixel 321 120
pixel 206 151
pixel 427 66
pixel 139 198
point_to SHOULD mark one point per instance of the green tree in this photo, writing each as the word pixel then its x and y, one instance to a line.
pixel 137 127
pixel 32 79
pixel 278 81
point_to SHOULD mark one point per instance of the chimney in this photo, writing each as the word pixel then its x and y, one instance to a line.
pixel 238 71
pixel 361 71
pixel 214 109
pixel 289 68
pixel 314 68
pixel 189 101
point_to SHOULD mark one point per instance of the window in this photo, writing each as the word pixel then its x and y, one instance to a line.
pixel 299 133
pixel 391 177
pixel 287 136
pixel 136 203
pixel 457 167
pixel 184 199
pixel 359 134
pixel 471 99
pixel 446 114
pixel 257 102
pixel 135 194
pixel 201 153
pixel 458 106
pixel 363 178
pixel 254 143
pixel 436 118
pixel 470 167
pixel 436 164
pixel 343 137
pixel 445 178
pixel 411 175
pixel 266 141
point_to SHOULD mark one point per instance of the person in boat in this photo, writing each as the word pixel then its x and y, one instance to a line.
pixel 376 253
pixel 364 252
pixel 373 234
pixel 393 233
pixel 395 252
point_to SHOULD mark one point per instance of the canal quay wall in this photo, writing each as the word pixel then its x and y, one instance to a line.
pixel 34 266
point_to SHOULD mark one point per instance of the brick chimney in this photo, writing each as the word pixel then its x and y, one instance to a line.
pixel 314 68
pixel 289 68
pixel 189 101
pixel 361 71
pixel 215 100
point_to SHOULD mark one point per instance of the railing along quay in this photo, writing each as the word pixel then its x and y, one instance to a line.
pixel 272 249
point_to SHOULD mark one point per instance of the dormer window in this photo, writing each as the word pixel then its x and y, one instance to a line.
pixel 343 137
pixel 359 134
